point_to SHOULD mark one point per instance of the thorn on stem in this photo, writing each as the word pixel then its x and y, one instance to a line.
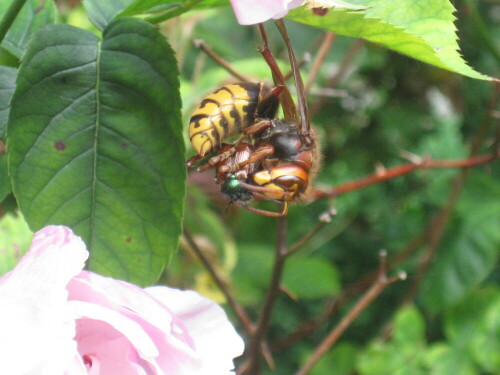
pixel 382 265
pixel 380 169
pixel 326 217
pixel 412 158
pixel 198 43
pixel 288 292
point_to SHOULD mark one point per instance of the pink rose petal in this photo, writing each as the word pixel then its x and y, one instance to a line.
pixel 37 328
pixel 215 339
pixel 57 319
pixel 250 12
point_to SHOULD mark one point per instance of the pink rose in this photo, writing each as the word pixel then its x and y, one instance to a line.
pixel 250 12
pixel 57 319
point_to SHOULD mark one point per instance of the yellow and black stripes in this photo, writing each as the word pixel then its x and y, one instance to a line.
pixel 224 113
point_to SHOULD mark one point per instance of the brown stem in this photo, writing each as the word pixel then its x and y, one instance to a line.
pixel 352 52
pixel 240 312
pixel 401 170
pixel 324 218
pixel 335 304
pixel 219 60
pixel 318 61
pixel 458 183
pixel 305 124
pixel 377 288
pixel 287 103
pixel 254 354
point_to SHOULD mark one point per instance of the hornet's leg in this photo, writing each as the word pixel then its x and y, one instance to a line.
pixel 284 211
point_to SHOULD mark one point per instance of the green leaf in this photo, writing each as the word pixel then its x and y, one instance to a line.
pixel 338 361
pixel 161 10
pixel 409 327
pixel 421 29
pixel 311 278
pixel 386 358
pixel 101 13
pixel 211 3
pixel 147 6
pixel 15 238
pixel 252 273
pixel 403 354
pixel 7 86
pixel 485 344
pixel 33 15
pixel 95 143
pixel 444 360
pixel 465 318
pixel 465 261
pixel 474 325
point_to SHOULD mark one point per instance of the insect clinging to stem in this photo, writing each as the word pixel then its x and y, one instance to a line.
pixel 274 159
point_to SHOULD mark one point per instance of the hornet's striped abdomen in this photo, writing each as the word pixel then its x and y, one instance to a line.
pixel 224 113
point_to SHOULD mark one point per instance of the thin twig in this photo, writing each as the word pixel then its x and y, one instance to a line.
pixel 351 53
pixel 430 235
pixel 253 366
pixel 377 288
pixel 324 218
pixel 386 174
pixel 219 60
pixel 335 304
pixel 305 59
pixel 319 59
pixel 240 312
pixel 9 17
pixel 443 216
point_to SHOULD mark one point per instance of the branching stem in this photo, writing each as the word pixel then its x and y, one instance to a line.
pixel 377 288
pixel 319 59
pixel 239 311
pixel 270 301
pixel 219 60
pixel 387 174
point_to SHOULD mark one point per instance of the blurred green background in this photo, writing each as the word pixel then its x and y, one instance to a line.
pixel 385 105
